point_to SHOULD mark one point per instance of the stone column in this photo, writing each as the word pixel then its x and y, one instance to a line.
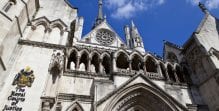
pixel 114 65
pixel 159 70
pixel 77 63
pixel 88 65
pixel 176 77
pixel 130 65
pixel 100 66
pixel 167 75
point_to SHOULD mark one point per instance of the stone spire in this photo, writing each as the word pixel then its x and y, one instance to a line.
pixel 136 39
pixel 203 8
pixel 100 17
pixel 100 10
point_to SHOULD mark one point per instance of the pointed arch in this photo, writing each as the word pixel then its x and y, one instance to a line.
pixel 93 53
pixel 41 21
pixel 84 51
pixel 106 62
pixel 59 24
pixel 163 70
pixel 38 34
pixel 95 61
pixel 141 96
pixel 75 106
pixel 116 54
pixel 105 54
pixel 135 53
pixel 84 58
pixel 72 59
pixel 136 62
pixel 151 64
pixel 122 60
pixel 170 71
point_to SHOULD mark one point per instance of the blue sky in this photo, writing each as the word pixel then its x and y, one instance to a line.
pixel 156 20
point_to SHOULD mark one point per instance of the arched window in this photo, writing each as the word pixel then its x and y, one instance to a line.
pixel 180 74
pixel 72 61
pixel 171 73
pixel 83 62
pixel 150 65
pixel 8 5
pixel 106 64
pixel 136 63
pixel 95 63
pixel 122 61
pixel 38 34
pixel 55 36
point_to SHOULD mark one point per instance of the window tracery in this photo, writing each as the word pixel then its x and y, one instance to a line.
pixel 105 37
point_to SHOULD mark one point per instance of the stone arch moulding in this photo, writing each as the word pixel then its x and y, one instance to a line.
pixel 75 106
pixel 144 96
pixel 41 21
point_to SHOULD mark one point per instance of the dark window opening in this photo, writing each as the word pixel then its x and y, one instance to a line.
pixel 151 65
pixel 95 62
pixel 84 60
pixel 106 65
pixel 136 63
pixel 171 73
pixel 72 60
pixel 180 74
pixel 122 61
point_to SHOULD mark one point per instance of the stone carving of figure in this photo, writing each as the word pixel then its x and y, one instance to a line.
pixel 82 67
pixel 92 68
pixel 72 66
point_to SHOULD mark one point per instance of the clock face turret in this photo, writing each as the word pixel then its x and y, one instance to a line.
pixel 105 37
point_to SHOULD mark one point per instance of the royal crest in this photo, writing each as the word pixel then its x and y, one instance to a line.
pixel 24 78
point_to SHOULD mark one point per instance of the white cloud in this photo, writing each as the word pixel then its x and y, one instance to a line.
pixel 194 2
pixel 212 4
pixel 124 9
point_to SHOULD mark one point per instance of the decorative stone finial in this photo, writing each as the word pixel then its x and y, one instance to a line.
pixel 203 8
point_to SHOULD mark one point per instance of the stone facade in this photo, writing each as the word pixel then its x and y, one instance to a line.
pixel 99 71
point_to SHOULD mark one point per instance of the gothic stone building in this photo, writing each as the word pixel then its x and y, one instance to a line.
pixel 46 64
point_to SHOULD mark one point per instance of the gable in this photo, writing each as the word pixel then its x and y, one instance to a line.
pixel 103 34
pixel 136 84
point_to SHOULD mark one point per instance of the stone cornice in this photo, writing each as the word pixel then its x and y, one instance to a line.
pixel 71 97
pixel 40 44
pixel 83 74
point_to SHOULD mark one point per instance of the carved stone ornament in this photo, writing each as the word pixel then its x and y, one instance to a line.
pixel 105 37
pixel 56 61
pixel 24 78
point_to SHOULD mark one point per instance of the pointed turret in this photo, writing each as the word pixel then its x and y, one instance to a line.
pixel 203 8
pixel 100 17
pixel 133 38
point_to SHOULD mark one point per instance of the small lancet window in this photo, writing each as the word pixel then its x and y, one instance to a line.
pixel 8 5
pixel 95 64
pixel 106 65
pixel 83 62
pixel 72 61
